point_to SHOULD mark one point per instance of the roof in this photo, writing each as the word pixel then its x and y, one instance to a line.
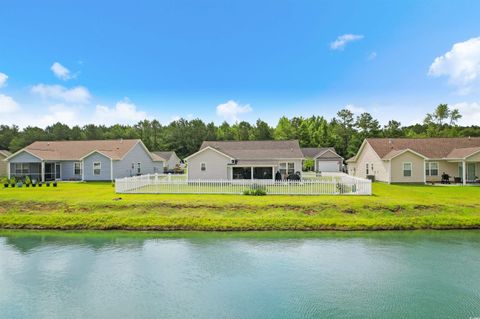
pixel 164 154
pixel 5 153
pixel 76 150
pixel 463 152
pixel 439 147
pixel 312 152
pixel 257 150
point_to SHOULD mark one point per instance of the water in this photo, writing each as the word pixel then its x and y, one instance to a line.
pixel 232 275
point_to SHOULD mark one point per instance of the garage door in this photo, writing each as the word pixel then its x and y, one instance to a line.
pixel 328 166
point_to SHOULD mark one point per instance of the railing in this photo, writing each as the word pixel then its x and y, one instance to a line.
pixel 340 184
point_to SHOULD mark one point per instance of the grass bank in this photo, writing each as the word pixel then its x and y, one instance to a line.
pixel 95 206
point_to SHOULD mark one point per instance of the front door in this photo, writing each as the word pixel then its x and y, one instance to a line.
pixel 49 171
pixel 58 171
pixel 471 174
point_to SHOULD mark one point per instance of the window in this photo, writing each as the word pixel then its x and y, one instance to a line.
pixel 241 172
pixel 287 168
pixel 77 168
pixel 367 172
pixel 22 168
pixel 203 167
pixel 407 169
pixel 97 167
pixel 371 167
pixel 139 168
pixel 263 172
pixel 133 166
pixel 431 169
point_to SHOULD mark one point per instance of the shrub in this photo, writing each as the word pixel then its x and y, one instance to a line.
pixel 28 181
pixel 13 181
pixel 255 191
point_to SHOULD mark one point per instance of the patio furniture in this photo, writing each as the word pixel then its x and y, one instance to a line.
pixel 445 178
pixel 457 180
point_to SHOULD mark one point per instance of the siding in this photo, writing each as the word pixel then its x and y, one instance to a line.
pixel 68 171
pixel 88 167
pixel 173 161
pixel 137 154
pixel 24 157
pixel 216 166
pixel 418 172
pixel 3 166
pixel 380 167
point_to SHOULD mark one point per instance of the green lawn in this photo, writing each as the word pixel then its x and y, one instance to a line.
pixel 96 206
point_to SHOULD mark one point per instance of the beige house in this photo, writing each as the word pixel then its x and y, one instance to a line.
pixel 230 160
pixel 325 159
pixel 171 158
pixel 422 160
pixel 3 164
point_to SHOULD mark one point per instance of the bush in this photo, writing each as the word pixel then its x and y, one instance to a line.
pixel 255 190
pixel 28 181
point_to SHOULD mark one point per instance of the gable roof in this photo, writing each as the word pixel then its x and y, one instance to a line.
pixel 439 147
pixel 75 150
pixel 314 152
pixel 257 150
pixel 164 154
pixel 5 153
pixel 463 152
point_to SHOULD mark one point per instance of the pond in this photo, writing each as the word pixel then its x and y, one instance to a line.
pixel 422 274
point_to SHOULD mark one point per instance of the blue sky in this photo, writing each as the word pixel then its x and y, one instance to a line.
pixel 106 62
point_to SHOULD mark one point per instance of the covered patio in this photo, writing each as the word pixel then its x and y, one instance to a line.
pixel 40 171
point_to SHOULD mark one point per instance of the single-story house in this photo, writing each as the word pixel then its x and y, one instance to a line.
pixel 417 160
pixel 171 159
pixel 230 160
pixel 325 159
pixel 83 160
pixel 3 164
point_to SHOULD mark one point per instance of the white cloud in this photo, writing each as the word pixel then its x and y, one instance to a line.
pixel 3 79
pixel 60 113
pixel 77 94
pixel 372 56
pixel 7 104
pixel 231 110
pixel 124 112
pixel 461 65
pixel 470 113
pixel 341 41
pixel 60 71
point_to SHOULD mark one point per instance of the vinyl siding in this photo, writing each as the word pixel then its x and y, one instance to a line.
pixel 138 154
pixel 418 172
pixel 368 155
pixel 173 161
pixel 88 167
pixel 24 157
pixel 3 166
pixel 68 171
pixel 216 166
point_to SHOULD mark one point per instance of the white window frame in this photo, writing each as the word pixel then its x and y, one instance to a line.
pixel 367 170
pixel 139 168
pixel 99 169
pixel 287 164
pixel 428 170
pixel 404 170
pixel 80 168
pixel 203 167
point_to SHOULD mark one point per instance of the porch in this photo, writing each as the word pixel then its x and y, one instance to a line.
pixel 452 172
pixel 40 171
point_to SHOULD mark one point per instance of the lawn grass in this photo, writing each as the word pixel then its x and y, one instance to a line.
pixel 96 206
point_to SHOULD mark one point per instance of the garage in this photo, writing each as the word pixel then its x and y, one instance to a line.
pixel 328 166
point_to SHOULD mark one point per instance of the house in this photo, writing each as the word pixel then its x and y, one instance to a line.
pixel 325 159
pixel 171 159
pixel 83 160
pixel 230 160
pixel 3 164
pixel 410 160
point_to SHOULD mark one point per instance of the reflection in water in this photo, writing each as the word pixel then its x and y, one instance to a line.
pixel 239 275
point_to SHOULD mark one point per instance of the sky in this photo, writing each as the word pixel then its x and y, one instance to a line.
pixel 107 62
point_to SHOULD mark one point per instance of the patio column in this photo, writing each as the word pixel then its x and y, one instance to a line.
pixel 8 169
pixel 43 171
pixel 464 173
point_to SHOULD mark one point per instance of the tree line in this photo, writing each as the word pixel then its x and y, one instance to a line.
pixel 345 131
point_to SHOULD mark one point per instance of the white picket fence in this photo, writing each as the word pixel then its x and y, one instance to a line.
pixel 339 184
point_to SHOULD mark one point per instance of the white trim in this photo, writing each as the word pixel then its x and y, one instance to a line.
pixel 408 150
pixel 111 170
pixel 81 168
pixel 94 151
pixel 100 169
pixel 55 165
pixel 425 170
pixel 327 150
pixel 430 169
pixel 403 169
pixel 207 148
pixel 22 150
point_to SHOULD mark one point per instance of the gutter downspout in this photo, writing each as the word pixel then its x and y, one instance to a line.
pixel 464 173
pixel 111 169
